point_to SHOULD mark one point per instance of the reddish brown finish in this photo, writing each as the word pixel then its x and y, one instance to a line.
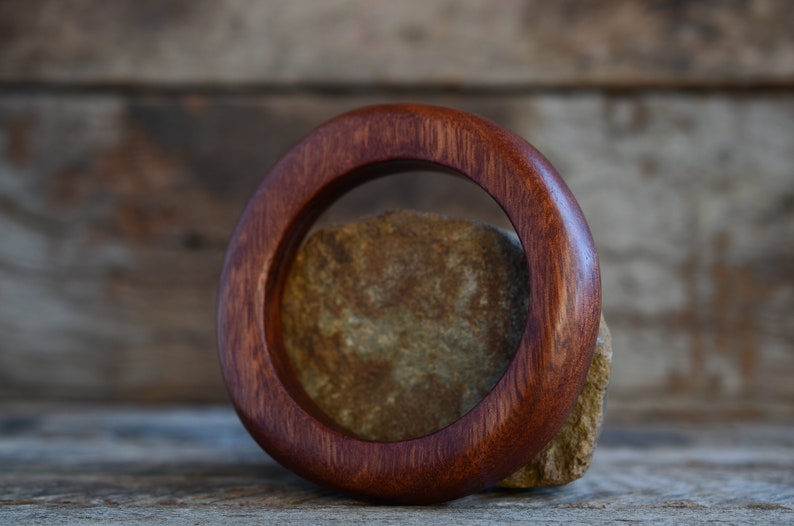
pixel 533 398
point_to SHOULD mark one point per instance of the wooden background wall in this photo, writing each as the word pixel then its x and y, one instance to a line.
pixel 133 132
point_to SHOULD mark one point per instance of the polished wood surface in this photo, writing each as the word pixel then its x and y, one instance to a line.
pixel 533 398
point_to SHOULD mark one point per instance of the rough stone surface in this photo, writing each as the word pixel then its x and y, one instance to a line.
pixel 399 324
pixel 568 455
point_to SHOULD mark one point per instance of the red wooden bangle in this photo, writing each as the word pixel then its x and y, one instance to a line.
pixel 540 386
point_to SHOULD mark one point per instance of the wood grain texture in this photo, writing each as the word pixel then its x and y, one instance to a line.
pixel 85 465
pixel 115 212
pixel 451 43
pixel 540 385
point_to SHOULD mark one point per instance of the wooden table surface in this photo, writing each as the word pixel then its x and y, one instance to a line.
pixel 188 465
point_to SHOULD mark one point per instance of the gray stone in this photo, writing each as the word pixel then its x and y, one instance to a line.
pixel 399 324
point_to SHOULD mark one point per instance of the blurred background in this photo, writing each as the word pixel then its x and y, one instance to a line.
pixel 132 133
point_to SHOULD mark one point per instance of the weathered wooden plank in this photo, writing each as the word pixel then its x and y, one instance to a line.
pixel 115 211
pixel 449 42
pixel 673 516
pixel 78 465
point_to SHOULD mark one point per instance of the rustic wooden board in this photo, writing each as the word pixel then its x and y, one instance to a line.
pixel 473 43
pixel 89 465
pixel 115 212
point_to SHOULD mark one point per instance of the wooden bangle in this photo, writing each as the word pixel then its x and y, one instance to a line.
pixel 534 396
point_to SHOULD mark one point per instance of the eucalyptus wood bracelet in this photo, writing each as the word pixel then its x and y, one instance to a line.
pixel 534 396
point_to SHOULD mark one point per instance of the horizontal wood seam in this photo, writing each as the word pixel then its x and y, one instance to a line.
pixel 784 86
